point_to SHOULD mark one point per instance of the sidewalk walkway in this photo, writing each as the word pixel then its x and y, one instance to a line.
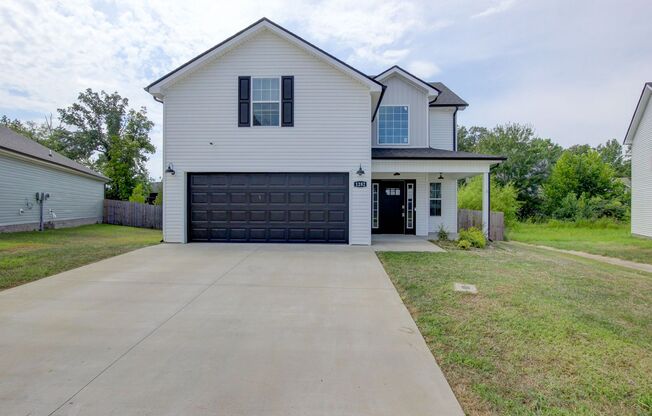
pixel 611 260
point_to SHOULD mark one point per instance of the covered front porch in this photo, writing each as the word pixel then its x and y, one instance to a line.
pixel 418 195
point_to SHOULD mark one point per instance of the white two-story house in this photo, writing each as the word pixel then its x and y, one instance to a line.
pixel 267 138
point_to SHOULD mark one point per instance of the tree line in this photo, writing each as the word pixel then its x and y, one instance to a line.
pixel 102 132
pixel 541 180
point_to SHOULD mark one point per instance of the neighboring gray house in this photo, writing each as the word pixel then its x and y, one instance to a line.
pixel 639 136
pixel 75 192
pixel 267 138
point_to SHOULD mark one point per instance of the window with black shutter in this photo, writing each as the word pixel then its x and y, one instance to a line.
pixel 244 98
pixel 287 102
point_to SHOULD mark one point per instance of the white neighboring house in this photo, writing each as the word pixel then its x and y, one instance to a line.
pixel 267 138
pixel 639 136
pixel 75 193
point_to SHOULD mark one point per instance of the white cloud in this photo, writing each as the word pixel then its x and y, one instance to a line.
pixel 537 67
pixel 502 6
pixel 423 69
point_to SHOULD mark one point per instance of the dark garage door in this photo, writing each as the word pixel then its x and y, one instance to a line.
pixel 269 207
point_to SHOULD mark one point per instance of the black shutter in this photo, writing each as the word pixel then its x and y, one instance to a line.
pixel 244 94
pixel 287 102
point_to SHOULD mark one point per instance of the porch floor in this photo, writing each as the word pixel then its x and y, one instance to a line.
pixel 400 242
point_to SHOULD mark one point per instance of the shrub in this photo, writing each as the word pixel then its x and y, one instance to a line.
pixel 442 234
pixel 503 198
pixel 464 244
pixel 473 236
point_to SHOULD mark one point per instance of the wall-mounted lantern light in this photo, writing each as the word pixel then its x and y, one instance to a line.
pixel 170 169
pixel 360 171
pixel 440 176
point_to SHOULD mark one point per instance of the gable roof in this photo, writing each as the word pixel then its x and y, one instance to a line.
pixel 446 97
pixel 397 70
pixel 155 87
pixel 19 144
pixel 638 113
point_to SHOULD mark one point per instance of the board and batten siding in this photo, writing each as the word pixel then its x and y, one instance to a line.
pixel 331 132
pixel 442 127
pixel 642 176
pixel 403 93
pixel 73 198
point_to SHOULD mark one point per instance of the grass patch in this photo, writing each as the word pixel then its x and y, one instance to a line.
pixel 613 240
pixel 29 256
pixel 547 334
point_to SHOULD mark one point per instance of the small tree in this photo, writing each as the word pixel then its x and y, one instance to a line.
pixel 138 194
pixel 503 198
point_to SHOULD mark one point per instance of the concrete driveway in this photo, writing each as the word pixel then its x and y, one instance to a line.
pixel 211 329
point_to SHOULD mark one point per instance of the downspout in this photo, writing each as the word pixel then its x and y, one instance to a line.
pixel 489 198
pixel 455 129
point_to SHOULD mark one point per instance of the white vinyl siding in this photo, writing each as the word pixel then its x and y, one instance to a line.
pixel 401 92
pixel 72 196
pixel 331 133
pixel 642 175
pixel 442 128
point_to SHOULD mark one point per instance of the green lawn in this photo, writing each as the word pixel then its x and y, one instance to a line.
pixel 547 334
pixel 612 241
pixel 29 256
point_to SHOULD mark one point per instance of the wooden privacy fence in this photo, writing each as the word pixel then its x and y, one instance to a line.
pixel 133 214
pixel 467 218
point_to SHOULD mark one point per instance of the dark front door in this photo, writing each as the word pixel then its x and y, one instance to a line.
pixel 391 205
pixel 269 207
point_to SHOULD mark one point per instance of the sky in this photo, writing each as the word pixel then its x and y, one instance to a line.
pixel 572 69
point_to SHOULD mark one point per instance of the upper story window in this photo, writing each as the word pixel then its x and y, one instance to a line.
pixel 265 101
pixel 393 127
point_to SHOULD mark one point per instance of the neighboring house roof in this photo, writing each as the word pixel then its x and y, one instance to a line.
pixel 19 144
pixel 429 153
pixel 446 97
pixel 394 70
pixel 638 113
pixel 155 87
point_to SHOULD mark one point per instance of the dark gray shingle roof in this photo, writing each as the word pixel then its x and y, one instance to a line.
pixel 446 97
pixel 16 143
pixel 428 153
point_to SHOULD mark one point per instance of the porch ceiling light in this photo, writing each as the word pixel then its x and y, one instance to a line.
pixel 360 171
pixel 397 174
pixel 440 176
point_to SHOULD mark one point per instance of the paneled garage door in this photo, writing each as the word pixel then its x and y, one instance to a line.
pixel 269 207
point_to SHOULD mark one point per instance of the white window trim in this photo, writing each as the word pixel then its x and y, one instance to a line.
pixel 280 91
pixel 378 126
pixel 375 205
pixel 440 199
pixel 409 209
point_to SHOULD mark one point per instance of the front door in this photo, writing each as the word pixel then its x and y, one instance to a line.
pixel 393 206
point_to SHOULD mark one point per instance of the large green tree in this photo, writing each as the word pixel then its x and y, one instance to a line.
pixel 613 153
pixel 529 160
pixel 582 185
pixel 101 131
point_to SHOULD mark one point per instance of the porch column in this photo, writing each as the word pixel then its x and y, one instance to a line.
pixel 485 203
